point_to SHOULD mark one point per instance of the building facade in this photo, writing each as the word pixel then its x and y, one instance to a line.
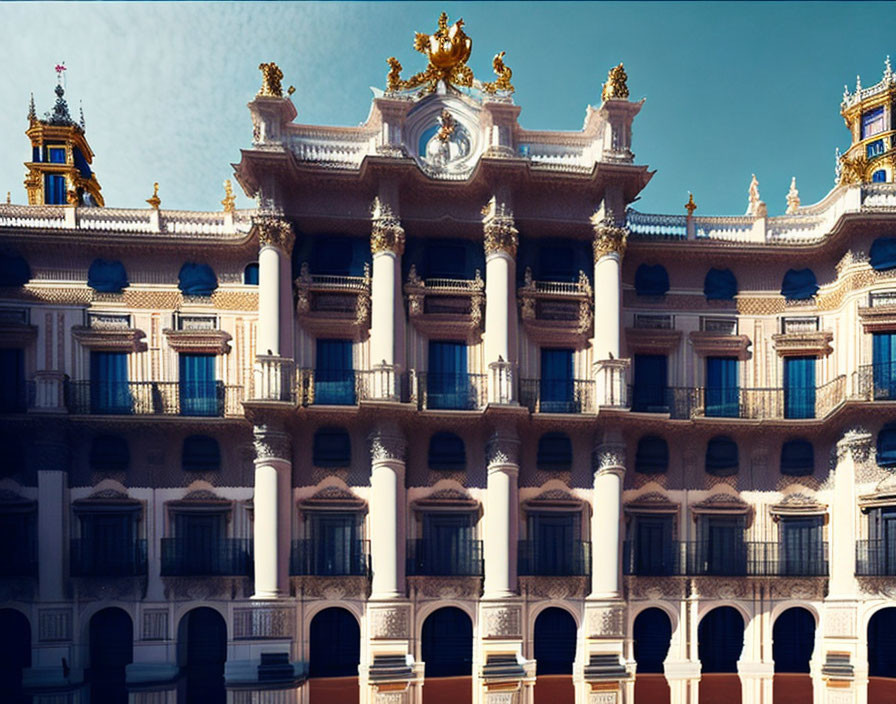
pixel 445 404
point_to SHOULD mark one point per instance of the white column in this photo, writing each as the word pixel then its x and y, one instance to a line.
pixel 607 305
pixel 606 516
pixel 501 241
pixel 842 553
pixel 386 246
pixel 52 454
pixel 500 268
pixel 275 238
pixel 501 516
pixel 272 463
pixel 609 370
pixel 387 511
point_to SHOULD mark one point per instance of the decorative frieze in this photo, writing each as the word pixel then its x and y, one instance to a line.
pixel 803 344
pixel 112 339
pixel 503 622
pixel 389 623
pixel 264 622
pixel 606 622
pixel 840 622
pixel 386 232
pixel 275 232
pixel 198 341
pixel 54 625
pixel 155 624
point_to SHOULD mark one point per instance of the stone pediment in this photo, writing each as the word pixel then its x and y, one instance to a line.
pixel 449 498
pixel 554 499
pixel 653 502
pixel 721 503
pixel 798 504
pixel 884 494
pixel 332 498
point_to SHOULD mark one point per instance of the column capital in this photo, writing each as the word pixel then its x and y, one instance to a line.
pixel 386 446
pixel 275 232
pixel 609 457
pixel 503 448
pixel 271 443
pixel 499 230
pixel 386 232
pixel 855 442
pixel 609 238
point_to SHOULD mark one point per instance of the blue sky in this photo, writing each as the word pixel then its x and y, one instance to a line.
pixel 732 89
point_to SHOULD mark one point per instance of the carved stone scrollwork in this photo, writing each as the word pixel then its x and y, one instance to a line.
pixel 384 447
pixel 607 621
pixel 275 232
pixel 609 456
pixel 389 623
pixel 501 235
pixel 608 237
pixel 503 622
pixel 271 444
pixel 386 232
pixel 501 449
pixel 714 588
pixel 447 587
pixel 556 587
pixel 856 442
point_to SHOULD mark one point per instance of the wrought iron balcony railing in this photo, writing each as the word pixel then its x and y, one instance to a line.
pixel 535 558
pixel 327 387
pixel 558 395
pixel 185 557
pixel 461 559
pixel 456 392
pixel 312 557
pixel 876 558
pixel 123 558
pixel 18 558
pixel 153 398
pixel 875 382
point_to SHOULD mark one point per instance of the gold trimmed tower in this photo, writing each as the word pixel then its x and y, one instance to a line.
pixel 59 172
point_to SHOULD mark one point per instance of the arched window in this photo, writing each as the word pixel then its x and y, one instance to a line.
pixel 107 276
pixel 201 454
pixel 799 285
pixel 719 285
pixel 109 453
pixel 250 274
pixel 197 279
pixel 797 458
pixel 886 446
pixel 652 456
pixel 651 280
pixel 883 253
pixel 332 447
pixel 879 176
pixel 721 456
pixel 14 270
pixel 555 452
pixel 447 452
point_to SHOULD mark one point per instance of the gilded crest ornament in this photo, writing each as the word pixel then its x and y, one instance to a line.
pixel 271 75
pixel 229 201
pixel 502 71
pixel 616 87
pixel 154 201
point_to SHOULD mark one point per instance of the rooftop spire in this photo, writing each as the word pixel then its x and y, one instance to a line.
pixel 793 198
pixel 32 113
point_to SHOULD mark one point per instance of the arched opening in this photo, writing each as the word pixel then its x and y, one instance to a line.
pixel 882 656
pixel 334 652
pixel 202 648
pixel 652 634
pixel 447 650
pixel 720 640
pixel 111 650
pixel 793 640
pixel 15 651
pixel 555 650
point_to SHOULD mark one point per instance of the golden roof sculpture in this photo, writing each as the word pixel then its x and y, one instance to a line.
pixel 448 50
pixel 616 86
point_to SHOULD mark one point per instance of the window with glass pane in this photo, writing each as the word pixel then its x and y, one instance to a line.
pixel 447 547
pixel 200 547
pixel 801 547
pixel 873 122
pixel 198 386
pixel 56 155
pixel 649 393
pixel 799 387
pixel 553 546
pixel 107 545
pixel 881 552
pixel 12 380
pixel 875 148
pixel 879 176
pixel 722 387
pixel 721 548
pixel 335 547
pixel 883 351
pixel 557 392
pixel 654 550
pixel 109 389
pixel 334 376
pixel 54 189
pixel 447 382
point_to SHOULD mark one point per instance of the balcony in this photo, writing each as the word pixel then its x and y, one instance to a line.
pixel 700 558
pixel 557 312
pixel 329 387
pixel 543 560
pixel 463 559
pixel 213 399
pixel 185 557
pixel 558 395
pixel 18 559
pixel 445 306
pixel 329 304
pixel 875 382
pixel 875 558
pixel 455 392
pixel 310 557
pixel 126 558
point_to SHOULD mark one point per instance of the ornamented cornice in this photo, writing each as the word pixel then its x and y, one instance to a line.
pixel 608 237
pixel 386 232
pixel 502 449
pixel 198 341
pixel 275 232
pixel 386 447
pixel 801 344
pixel 608 457
pixel 719 343
pixel 271 444
pixel 112 339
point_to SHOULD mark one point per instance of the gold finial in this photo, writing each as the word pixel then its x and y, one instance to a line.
pixel 155 201
pixel 503 73
pixel 690 206
pixel 271 75
pixel 71 197
pixel 616 87
pixel 290 90
pixel 447 126
pixel 8 197
pixel 447 49
pixel 229 201
pixel 793 198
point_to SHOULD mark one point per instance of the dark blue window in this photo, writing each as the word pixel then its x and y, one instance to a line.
pixel 886 446
pixel 721 456
pixel 799 285
pixel 335 545
pixel 447 643
pixel 197 279
pixel 200 453
pixel 652 632
pixel 332 255
pixel 12 380
pixel 557 263
pixel 554 546
pixel 445 260
pixel 651 280
pixel 334 376
pixel 198 386
pixel 109 453
pixel 654 553
pixel 250 274
pixel 793 640
pixel 720 639
pixel 799 387
pixel 875 148
pixel 652 456
pixel 879 176
pixel 56 155
pixel 557 392
pixel 332 447
pixel 555 642
pixel 107 276
pixel 722 387
pixel 447 381
pixel 722 550
pixel 649 392
pixel 719 285
pixel 872 122
pixel 54 189
pixel 554 452
pixel 14 270
pixel 801 548
pixel 335 644
pixel 109 388
pixel 447 546
pixel 81 163
pixel 447 452
pixel 797 458
pixel 883 254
